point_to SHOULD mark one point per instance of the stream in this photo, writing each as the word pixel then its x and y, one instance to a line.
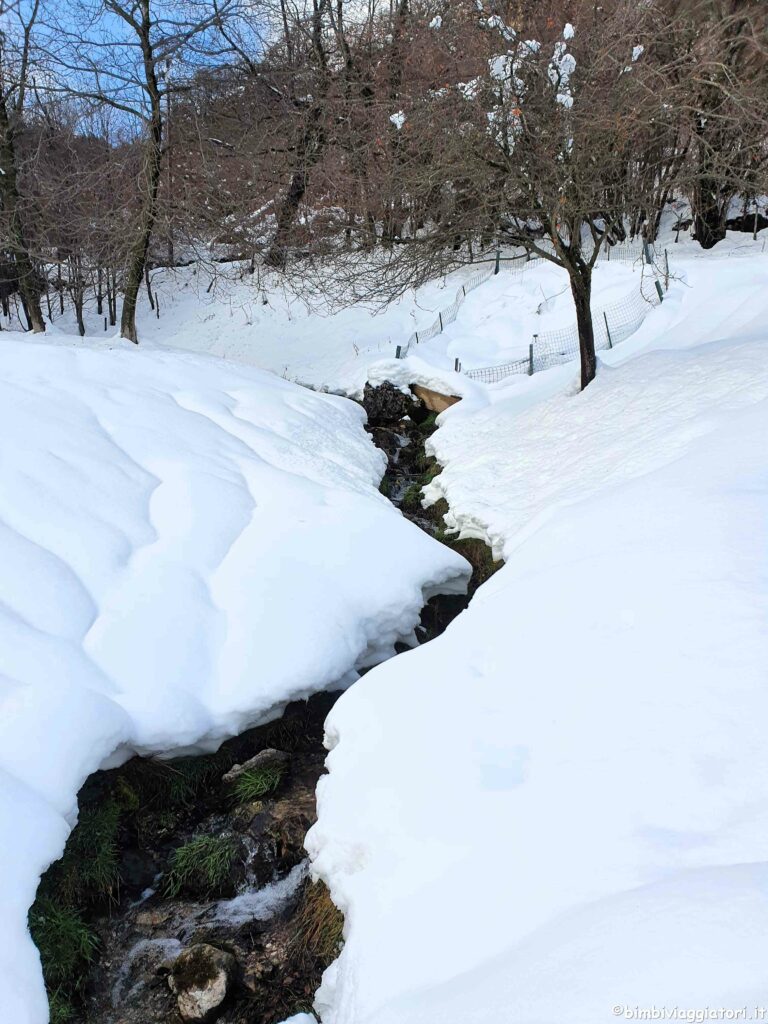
pixel 184 890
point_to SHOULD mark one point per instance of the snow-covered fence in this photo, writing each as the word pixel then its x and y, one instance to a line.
pixel 448 315
pixel 625 252
pixel 612 324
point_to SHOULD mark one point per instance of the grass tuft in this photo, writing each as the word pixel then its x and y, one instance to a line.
pixel 90 867
pixel 66 945
pixel 254 783
pixel 201 867
pixel 411 499
pixel 60 1009
pixel 428 425
pixel 168 785
pixel 319 925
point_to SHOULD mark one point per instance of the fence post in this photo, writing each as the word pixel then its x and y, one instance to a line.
pixel 647 252
pixel 607 329
pixel 498 260
pixel 658 289
pixel 456 365
pixel 105 323
pixel 397 352
pixel 440 318
pixel 417 336
pixel 464 291
pixel 530 355
pixel 666 271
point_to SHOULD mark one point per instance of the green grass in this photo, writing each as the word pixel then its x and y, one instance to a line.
pixel 411 499
pixel 60 1008
pixel 255 783
pixel 201 867
pixel 66 944
pixel 166 785
pixel 89 869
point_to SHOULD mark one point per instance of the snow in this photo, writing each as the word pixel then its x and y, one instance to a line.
pixel 557 810
pixel 550 465
pixel 187 546
pixel 264 324
pixel 554 810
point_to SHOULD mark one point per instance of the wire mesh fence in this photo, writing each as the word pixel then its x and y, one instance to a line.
pixel 448 315
pixel 612 324
pixel 625 252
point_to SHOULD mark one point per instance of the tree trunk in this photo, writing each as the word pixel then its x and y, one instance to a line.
pixel 112 295
pixel 709 213
pixel 77 290
pixel 137 256
pixel 309 147
pixel 29 282
pixel 581 289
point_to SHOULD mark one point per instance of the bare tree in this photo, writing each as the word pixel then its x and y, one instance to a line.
pixel 118 57
pixel 15 69
pixel 721 103
pixel 536 147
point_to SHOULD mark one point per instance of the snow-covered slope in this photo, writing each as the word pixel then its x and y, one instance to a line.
pixel 186 546
pixel 558 810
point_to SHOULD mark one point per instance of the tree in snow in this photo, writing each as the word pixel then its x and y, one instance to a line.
pixel 17 25
pixel 118 54
pixel 537 149
pixel 720 48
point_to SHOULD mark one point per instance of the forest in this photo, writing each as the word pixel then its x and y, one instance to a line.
pixel 311 138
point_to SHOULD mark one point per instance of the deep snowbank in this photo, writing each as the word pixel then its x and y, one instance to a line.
pixel 572 821
pixel 515 452
pixel 186 547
